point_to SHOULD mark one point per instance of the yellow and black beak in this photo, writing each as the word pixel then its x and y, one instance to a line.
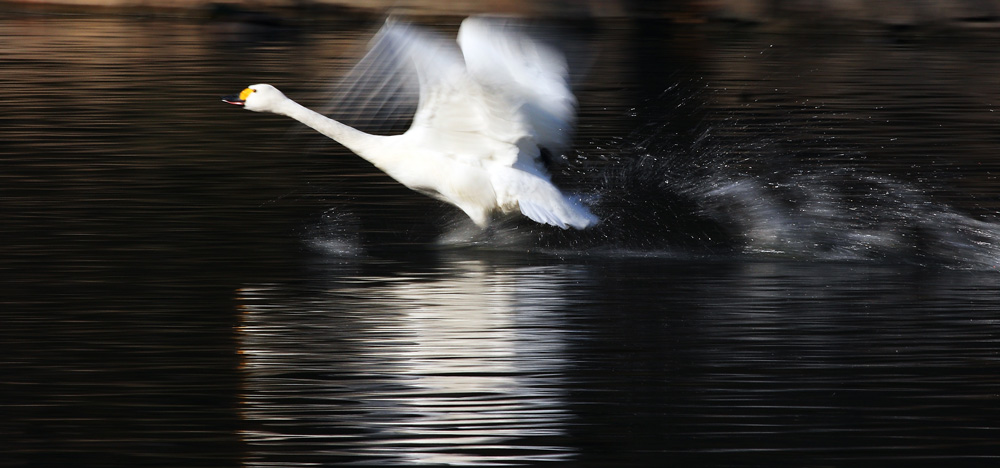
pixel 239 99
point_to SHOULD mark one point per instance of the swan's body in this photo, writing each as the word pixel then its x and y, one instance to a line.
pixel 484 113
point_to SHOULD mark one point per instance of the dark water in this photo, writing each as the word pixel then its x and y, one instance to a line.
pixel 797 266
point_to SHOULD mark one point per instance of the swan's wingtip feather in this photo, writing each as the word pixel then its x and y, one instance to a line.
pixel 577 217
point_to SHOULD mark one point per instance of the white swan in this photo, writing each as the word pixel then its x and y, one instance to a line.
pixel 484 113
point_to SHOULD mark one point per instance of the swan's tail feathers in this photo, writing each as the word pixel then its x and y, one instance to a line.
pixel 557 211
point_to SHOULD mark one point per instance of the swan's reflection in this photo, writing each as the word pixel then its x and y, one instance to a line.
pixel 462 365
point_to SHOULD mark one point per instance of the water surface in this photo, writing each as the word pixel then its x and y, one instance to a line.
pixel 797 264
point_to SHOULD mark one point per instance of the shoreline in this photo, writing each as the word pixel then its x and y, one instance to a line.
pixel 933 14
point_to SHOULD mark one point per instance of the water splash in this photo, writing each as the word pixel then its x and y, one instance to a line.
pixel 336 234
pixel 658 197
pixel 850 215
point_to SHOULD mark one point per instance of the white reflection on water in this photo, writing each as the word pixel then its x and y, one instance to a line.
pixel 459 366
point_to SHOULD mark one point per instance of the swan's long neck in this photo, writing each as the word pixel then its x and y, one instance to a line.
pixel 363 144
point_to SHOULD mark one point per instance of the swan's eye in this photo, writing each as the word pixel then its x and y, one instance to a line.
pixel 245 93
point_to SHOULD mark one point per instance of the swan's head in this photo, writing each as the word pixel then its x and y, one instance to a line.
pixel 258 98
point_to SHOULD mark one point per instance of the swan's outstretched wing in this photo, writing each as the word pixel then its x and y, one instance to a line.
pixel 532 77
pixel 454 115
pixel 502 87
pixel 380 93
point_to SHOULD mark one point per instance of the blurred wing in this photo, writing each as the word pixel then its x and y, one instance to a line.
pixel 381 92
pixel 531 76
pixel 495 99
pixel 457 116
